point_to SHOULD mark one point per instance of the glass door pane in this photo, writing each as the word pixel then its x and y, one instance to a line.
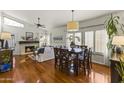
pixel 78 38
pixel 69 38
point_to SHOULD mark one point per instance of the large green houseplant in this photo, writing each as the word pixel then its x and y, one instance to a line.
pixel 120 69
pixel 113 26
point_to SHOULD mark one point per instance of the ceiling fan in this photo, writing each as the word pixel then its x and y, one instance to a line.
pixel 40 25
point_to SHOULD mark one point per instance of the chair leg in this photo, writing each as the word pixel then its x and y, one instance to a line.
pixel 84 68
pixel 91 64
pixel 55 65
pixel 66 67
pixel 60 66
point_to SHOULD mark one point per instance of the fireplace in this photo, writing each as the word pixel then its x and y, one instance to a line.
pixel 26 47
pixel 29 49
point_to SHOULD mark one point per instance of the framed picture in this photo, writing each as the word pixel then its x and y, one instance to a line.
pixel 58 39
pixel 29 35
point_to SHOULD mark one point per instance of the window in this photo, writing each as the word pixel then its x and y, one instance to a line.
pixel 78 38
pixel 100 41
pixel 68 40
pixel 89 39
pixel 10 22
pixel 44 39
pixel 97 40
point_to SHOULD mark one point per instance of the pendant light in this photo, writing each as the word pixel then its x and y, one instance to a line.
pixel 72 25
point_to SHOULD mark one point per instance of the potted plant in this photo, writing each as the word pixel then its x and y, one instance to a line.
pixel 113 26
pixel 120 69
pixel 5 66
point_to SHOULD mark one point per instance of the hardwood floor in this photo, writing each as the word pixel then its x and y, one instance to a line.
pixel 29 71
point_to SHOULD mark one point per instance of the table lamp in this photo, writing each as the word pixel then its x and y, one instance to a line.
pixel 5 36
pixel 118 41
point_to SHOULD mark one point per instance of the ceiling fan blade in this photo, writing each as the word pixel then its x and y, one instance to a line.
pixel 43 26
pixel 39 25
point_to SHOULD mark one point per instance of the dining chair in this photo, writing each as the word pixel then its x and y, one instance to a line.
pixel 90 58
pixel 88 62
pixel 57 57
pixel 64 60
pixel 73 62
pixel 83 59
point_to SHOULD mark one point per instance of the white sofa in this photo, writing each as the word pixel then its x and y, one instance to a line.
pixel 47 55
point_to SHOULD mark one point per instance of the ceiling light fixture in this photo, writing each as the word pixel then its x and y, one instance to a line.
pixel 72 25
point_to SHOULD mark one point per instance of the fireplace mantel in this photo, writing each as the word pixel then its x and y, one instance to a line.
pixel 27 42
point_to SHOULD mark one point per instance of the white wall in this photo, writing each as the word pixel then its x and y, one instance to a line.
pixel 61 31
pixel 121 20
pixel 19 32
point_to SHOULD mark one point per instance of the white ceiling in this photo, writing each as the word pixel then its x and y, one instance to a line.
pixel 52 18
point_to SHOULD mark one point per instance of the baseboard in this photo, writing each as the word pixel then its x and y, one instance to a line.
pixel 100 64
